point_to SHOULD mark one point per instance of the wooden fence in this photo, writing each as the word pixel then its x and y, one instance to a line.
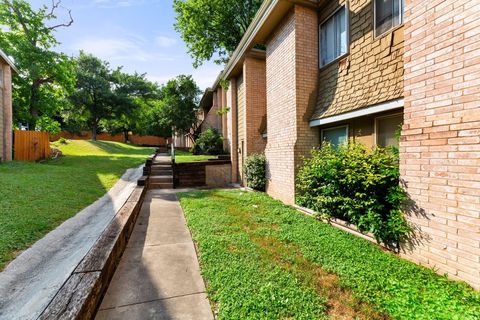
pixel 133 138
pixel 31 145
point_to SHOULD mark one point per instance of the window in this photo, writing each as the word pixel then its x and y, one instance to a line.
pixel 387 130
pixel 388 15
pixel 333 37
pixel 336 136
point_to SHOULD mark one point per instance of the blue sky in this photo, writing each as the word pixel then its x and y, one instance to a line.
pixel 136 34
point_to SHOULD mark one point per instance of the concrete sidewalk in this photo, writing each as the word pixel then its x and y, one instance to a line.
pixel 158 276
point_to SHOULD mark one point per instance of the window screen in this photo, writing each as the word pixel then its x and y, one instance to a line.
pixel 388 14
pixel 388 129
pixel 333 37
pixel 336 136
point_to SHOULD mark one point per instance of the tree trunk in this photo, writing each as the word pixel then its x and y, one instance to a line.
pixel 125 136
pixel 94 131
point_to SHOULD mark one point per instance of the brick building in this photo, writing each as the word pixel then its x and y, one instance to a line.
pixel 368 71
pixel 6 112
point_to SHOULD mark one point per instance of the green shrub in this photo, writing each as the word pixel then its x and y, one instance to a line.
pixel 255 171
pixel 62 140
pixel 353 184
pixel 209 142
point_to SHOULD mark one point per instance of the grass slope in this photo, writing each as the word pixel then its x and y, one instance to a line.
pixel 185 156
pixel 264 260
pixel 37 197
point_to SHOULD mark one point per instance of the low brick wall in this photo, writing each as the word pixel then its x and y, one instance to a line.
pixel 213 173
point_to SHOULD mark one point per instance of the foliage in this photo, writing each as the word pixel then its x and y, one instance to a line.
pixel 213 27
pixel 358 186
pixel 209 142
pixel 62 140
pixel 247 229
pixel 45 123
pixel 179 104
pixel 36 198
pixel 45 77
pixel 223 111
pixel 107 95
pixel 256 171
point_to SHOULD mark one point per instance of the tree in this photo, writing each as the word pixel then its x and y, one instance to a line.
pixel 45 76
pixel 179 105
pixel 130 93
pixel 93 96
pixel 211 27
pixel 107 96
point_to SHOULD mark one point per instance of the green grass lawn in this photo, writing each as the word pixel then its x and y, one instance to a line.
pixel 37 197
pixel 264 260
pixel 185 156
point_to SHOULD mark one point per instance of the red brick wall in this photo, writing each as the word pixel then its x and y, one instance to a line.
pixel 440 143
pixel 254 71
pixel 292 69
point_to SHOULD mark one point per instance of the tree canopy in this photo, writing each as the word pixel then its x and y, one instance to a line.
pixel 46 77
pixel 180 98
pixel 213 27
pixel 103 94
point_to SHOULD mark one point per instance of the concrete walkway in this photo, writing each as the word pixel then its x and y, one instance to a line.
pixel 30 282
pixel 158 276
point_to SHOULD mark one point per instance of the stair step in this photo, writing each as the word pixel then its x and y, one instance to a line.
pixel 155 185
pixel 161 179
pixel 161 172
pixel 158 163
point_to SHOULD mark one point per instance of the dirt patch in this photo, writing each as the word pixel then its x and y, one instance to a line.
pixel 341 304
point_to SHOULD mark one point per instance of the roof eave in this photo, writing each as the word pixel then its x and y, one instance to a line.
pixel 8 61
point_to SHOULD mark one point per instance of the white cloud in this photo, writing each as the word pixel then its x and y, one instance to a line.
pixel 124 3
pixel 165 42
pixel 203 76
pixel 130 47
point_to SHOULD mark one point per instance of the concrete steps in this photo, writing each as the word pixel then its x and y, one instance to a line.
pixel 161 172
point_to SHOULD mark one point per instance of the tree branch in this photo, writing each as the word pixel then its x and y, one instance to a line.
pixel 63 24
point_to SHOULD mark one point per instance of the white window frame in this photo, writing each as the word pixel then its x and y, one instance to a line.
pixel 402 9
pixel 347 29
pixel 375 126
pixel 334 128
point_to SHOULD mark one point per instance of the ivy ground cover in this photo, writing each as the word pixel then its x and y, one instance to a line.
pixel 264 260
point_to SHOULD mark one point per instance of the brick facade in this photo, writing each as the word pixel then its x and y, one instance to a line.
pixel 6 113
pixel 372 71
pixel 254 72
pixel 440 144
pixel 212 120
pixel 292 68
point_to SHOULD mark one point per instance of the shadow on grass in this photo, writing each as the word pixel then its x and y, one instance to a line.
pixel 119 148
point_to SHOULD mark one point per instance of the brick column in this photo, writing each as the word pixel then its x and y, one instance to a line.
pixel 255 101
pixel 440 143
pixel 292 70
pixel 226 143
pixel 8 114
pixel 232 91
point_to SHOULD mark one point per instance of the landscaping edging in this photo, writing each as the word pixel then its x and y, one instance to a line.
pixel 81 294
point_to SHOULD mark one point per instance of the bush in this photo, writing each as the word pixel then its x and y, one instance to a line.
pixel 209 142
pixel 62 140
pixel 255 171
pixel 358 186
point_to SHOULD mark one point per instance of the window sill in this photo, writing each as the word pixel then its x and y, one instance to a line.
pixel 335 60
pixel 375 38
